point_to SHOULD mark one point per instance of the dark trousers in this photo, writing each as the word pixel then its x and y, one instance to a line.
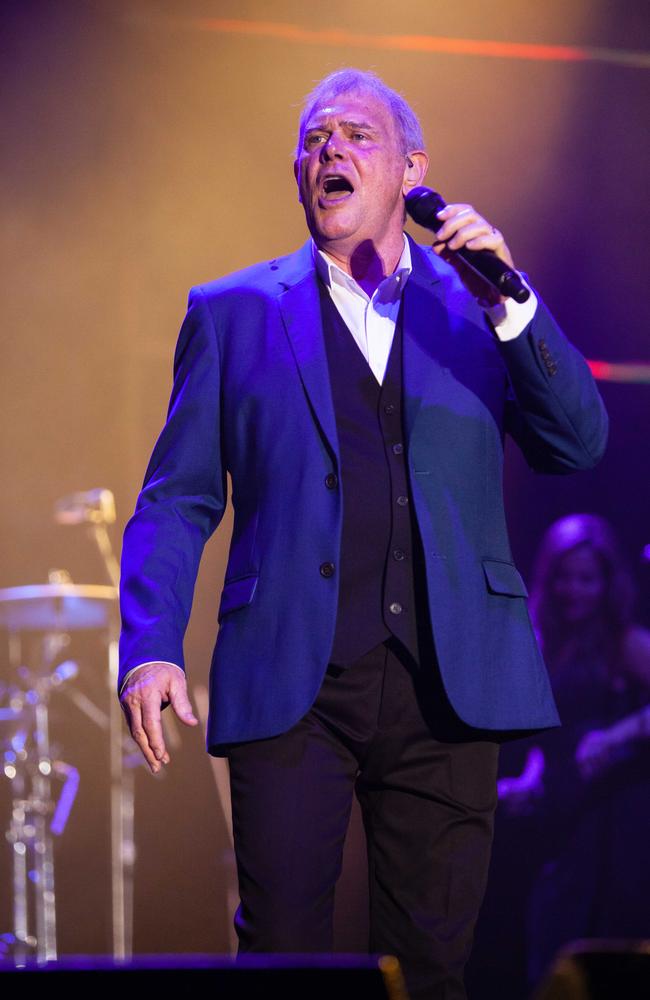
pixel 427 790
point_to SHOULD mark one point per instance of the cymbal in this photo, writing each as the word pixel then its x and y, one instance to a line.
pixel 56 607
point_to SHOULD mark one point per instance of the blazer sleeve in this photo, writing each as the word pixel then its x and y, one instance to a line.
pixel 182 501
pixel 554 410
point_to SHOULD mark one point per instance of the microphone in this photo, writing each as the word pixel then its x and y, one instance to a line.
pixel 96 506
pixel 423 204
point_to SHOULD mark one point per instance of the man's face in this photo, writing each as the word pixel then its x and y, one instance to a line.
pixel 351 173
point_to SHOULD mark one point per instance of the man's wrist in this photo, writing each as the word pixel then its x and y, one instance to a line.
pixel 509 319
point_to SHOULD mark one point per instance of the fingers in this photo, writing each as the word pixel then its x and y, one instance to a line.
pixel 464 227
pixel 146 730
pixel 152 726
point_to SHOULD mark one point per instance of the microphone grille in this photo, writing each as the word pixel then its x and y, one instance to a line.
pixel 422 204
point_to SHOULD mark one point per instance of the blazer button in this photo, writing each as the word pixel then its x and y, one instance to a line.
pixel 331 480
pixel 402 501
pixel 395 608
pixel 327 569
pixel 389 409
pixel 398 449
pixel 399 555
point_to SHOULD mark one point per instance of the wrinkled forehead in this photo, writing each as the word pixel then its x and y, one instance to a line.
pixel 359 106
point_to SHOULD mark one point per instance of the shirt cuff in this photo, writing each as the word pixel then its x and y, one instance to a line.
pixel 148 663
pixel 511 318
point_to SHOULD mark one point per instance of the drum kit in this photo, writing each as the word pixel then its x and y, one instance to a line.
pixel 39 622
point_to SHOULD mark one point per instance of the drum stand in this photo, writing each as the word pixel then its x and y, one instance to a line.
pixel 29 766
pixel 54 610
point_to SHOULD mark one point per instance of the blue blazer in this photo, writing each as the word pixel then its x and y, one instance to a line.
pixel 251 398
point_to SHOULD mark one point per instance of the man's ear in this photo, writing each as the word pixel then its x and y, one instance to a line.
pixel 296 174
pixel 417 164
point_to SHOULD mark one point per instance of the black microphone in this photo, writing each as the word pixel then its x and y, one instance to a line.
pixel 423 204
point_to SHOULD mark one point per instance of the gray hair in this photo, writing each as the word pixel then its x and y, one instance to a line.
pixel 342 81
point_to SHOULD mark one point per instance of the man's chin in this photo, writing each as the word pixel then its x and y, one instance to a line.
pixel 335 231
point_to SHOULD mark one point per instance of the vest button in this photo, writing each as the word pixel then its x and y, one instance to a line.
pixel 327 569
pixel 399 554
pixel 395 608
pixel 402 501
pixel 398 449
pixel 389 409
pixel 331 480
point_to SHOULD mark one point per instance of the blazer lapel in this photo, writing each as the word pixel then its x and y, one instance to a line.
pixel 299 304
pixel 425 325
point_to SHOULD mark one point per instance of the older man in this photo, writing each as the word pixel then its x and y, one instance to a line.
pixel 374 635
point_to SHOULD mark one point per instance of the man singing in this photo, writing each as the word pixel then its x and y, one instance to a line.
pixel 374 635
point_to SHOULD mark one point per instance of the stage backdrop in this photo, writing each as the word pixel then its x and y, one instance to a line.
pixel 147 147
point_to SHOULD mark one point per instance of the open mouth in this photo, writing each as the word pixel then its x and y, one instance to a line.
pixel 336 187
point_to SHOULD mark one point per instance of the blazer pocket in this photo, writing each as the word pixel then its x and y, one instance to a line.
pixel 237 594
pixel 504 578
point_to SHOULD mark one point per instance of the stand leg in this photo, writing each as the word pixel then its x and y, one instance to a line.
pixel 19 851
pixel 43 859
pixel 122 811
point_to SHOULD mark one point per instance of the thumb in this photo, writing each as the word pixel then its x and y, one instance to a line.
pixel 181 705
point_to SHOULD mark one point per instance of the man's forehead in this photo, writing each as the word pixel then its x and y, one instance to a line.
pixel 357 107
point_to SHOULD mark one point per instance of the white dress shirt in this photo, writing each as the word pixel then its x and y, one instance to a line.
pixel 371 321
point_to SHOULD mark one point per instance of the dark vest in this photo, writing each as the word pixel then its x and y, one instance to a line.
pixel 376 570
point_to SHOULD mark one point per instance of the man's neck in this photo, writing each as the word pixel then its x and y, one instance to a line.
pixel 367 264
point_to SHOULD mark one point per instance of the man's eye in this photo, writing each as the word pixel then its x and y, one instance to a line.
pixel 359 135
pixel 314 140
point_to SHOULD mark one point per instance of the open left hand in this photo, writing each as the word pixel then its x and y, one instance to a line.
pixel 148 689
pixel 464 227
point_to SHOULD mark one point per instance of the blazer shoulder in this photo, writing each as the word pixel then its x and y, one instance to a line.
pixel 265 278
pixel 255 279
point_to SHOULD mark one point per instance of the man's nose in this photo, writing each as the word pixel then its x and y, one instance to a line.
pixel 333 149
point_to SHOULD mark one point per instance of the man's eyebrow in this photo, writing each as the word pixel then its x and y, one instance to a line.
pixel 366 126
pixel 348 123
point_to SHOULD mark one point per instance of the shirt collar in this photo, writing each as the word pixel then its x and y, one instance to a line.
pixel 388 290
